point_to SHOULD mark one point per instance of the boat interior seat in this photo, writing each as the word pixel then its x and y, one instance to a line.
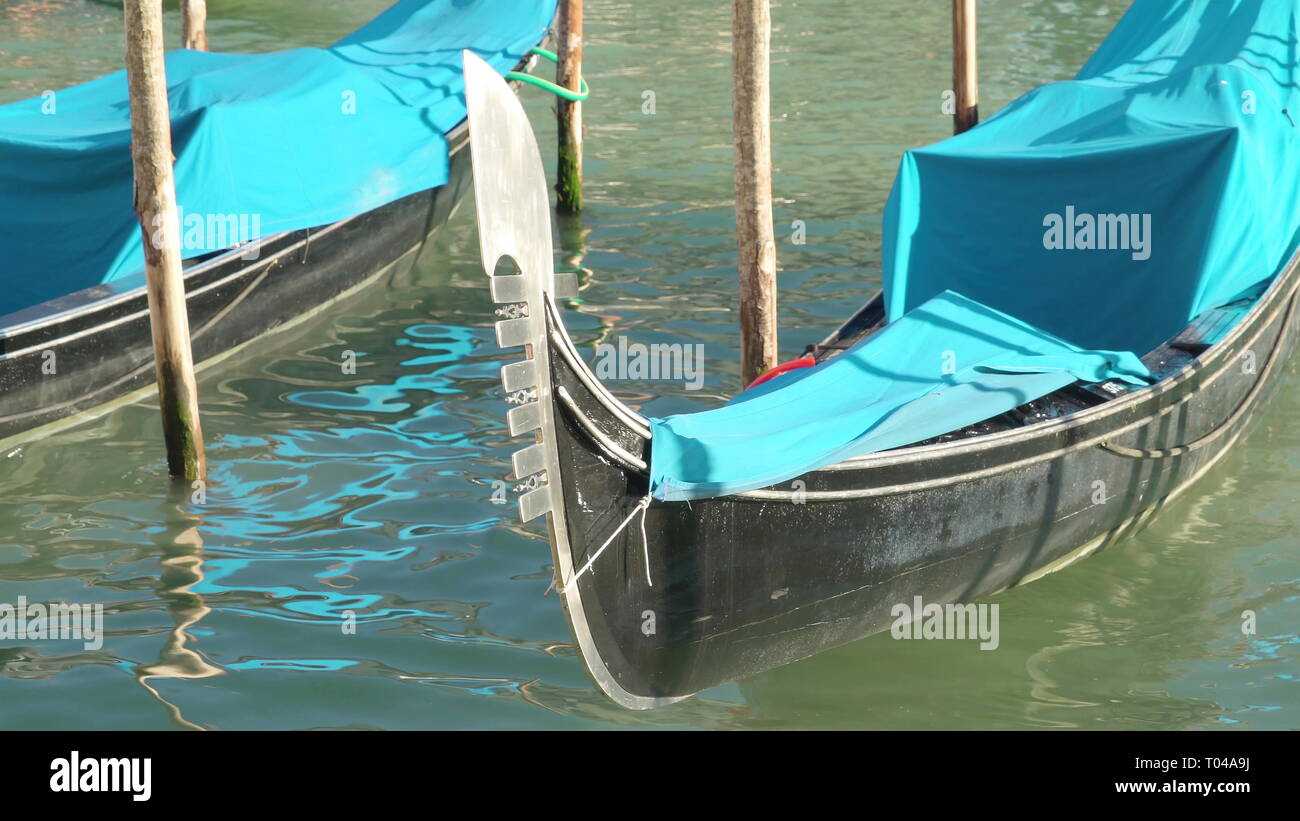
pixel 1213 324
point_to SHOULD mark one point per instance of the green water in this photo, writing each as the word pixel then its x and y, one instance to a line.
pixel 372 492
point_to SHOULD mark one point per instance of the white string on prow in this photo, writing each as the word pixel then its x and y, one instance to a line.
pixel 645 543
pixel 640 508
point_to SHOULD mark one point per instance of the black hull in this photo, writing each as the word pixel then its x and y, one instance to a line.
pixel 724 588
pixel 741 584
pixel 98 343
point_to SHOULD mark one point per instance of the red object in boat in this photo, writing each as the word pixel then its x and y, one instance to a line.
pixel 784 367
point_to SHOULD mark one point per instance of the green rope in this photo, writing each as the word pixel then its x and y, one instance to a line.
pixel 558 90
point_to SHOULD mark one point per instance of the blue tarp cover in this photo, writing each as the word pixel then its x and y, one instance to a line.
pixel 297 138
pixel 1185 117
pixel 1105 212
pixel 950 363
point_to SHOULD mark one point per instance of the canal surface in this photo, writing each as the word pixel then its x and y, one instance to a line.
pixel 373 492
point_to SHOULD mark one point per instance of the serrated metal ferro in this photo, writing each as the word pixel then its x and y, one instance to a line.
pixel 519 375
pixel 535 503
pixel 528 461
pixel 513 333
pixel 524 418
pixel 509 289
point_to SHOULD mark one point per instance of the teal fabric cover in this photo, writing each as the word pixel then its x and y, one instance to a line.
pixel 254 134
pixel 1108 211
pixel 1186 114
pixel 951 362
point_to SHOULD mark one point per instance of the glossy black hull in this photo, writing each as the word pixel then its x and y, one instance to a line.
pixel 727 587
pixel 668 599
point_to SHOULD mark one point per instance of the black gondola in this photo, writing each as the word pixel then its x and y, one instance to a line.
pixel 726 587
pixel 74 356
pixel 98 339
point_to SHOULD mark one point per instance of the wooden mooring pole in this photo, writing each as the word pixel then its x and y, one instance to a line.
pixel 965 66
pixel 194 21
pixel 751 30
pixel 568 182
pixel 155 205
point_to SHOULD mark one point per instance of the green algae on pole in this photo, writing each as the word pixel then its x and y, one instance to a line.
pixel 568 113
pixel 155 205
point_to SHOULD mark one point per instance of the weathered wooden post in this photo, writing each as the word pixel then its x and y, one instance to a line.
pixel 194 21
pixel 751 30
pixel 965 66
pixel 155 205
pixel 568 73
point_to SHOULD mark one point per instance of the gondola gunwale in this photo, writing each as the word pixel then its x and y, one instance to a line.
pixel 1179 386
